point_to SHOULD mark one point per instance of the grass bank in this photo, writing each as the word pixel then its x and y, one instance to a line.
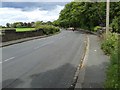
pixel 19 29
pixel 111 47
pixel 47 29
pixel 24 29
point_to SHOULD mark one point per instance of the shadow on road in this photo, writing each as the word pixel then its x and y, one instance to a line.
pixel 60 77
pixel 85 32
pixel 8 82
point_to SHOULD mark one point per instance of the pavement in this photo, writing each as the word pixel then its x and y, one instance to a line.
pixel 92 74
pixel 43 63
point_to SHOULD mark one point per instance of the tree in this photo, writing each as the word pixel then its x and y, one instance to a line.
pixel 18 25
pixel 32 24
pixel 56 22
pixel 38 23
pixel 87 15
pixel 29 24
pixel 49 23
pixel 8 25
pixel 25 24
pixel 116 24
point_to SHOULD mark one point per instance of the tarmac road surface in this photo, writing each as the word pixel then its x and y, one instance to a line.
pixel 43 63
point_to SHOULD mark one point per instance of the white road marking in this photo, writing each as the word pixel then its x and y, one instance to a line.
pixel 0 62
pixel 62 37
pixel 95 50
pixel 44 45
pixel 36 47
pixel 47 43
pixel 9 59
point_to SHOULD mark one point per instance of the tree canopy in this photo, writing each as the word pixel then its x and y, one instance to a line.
pixel 87 15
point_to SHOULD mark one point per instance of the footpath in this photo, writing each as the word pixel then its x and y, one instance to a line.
pixel 93 71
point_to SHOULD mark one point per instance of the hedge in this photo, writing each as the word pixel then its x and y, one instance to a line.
pixel 111 47
pixel 48 29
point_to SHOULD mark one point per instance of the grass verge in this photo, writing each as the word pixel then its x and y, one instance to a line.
pixel 24 29
pixel 111 47
pixel 19 29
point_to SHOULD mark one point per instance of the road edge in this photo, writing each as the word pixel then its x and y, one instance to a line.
pixel 80 66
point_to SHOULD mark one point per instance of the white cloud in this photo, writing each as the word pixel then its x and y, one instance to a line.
pixel 16 14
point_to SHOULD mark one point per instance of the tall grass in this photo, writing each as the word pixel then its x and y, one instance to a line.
pixel 111 47
pixel 24 29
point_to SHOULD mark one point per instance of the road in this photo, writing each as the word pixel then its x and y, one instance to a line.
pixel 43 63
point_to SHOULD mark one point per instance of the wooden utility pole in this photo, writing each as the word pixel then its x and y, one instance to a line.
pixel 107 16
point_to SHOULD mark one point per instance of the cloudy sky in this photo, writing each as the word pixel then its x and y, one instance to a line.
pixel 12 11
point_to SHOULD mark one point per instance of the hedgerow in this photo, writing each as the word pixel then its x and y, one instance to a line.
pixel 111 47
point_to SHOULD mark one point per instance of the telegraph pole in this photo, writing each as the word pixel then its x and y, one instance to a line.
pixel 107 16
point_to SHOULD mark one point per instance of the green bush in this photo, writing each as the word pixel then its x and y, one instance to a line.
pixel 112 80
pixel 48 29
pixel 112 77
pixel 116 24
pixel 97 28
pixel 110 46
pixel 110 43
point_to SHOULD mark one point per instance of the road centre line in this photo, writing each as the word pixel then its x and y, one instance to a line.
pixel 8 59
pixel 44 45
pixel 47 43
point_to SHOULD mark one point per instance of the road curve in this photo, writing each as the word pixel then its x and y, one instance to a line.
pixel 43 63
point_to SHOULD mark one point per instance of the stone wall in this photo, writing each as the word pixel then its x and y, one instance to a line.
pixel 9 35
